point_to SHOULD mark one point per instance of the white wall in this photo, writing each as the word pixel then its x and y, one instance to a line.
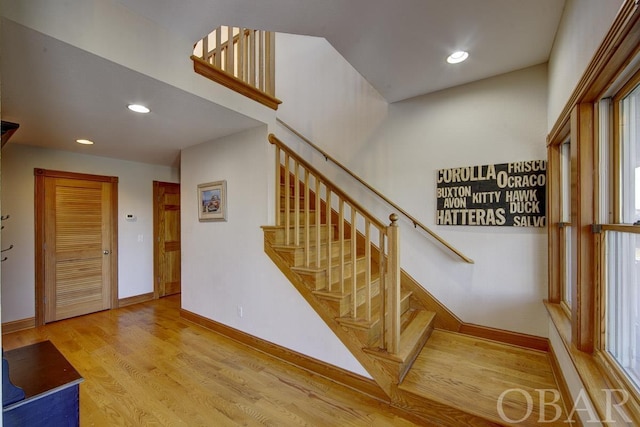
pixel 223 263
pixel 135 195
pixel 325 96
pixel 582 29
pixel 397 148
pixel 497 120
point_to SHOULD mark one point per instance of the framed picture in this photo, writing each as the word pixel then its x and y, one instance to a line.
pixel 212 201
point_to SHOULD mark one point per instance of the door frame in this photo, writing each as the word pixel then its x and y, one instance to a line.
pixel 40 175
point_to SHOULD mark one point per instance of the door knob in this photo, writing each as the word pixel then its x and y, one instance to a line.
pixel 106 252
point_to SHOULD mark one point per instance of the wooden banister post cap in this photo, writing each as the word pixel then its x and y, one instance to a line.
pixel 394 218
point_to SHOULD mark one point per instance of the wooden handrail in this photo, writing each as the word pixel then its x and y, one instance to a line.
pixel 415 222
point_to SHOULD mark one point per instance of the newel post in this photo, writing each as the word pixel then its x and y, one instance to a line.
pixel 393 284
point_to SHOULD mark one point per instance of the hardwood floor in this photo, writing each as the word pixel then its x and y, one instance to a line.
pixel 473 373
pixel 144 365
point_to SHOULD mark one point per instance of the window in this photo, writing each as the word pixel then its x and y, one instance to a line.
pixel 623 282
pixel 629 161
pixel 622 245
pixel 594 220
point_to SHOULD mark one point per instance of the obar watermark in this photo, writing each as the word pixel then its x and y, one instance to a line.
pixel 548 403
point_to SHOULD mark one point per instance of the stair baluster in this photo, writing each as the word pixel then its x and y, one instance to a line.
pixel 354 272
pixel 367 272
pixel 318 215
pixel 278 190
pixel 287 200
pixel 329 273
pixel 307 235
pixel 341 244
pixel 393 291
pixel 383 287
pixel 296 203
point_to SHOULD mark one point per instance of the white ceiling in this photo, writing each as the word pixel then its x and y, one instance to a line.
pixel 399 46
pixel 58 93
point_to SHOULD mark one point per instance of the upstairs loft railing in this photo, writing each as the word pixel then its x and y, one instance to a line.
pixel 416 223
pixel 338 234
pixel 241 59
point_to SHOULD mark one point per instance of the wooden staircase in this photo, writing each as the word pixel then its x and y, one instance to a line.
pixel 344 275
pixel 351 277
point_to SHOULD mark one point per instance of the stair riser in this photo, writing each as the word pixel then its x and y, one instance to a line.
pixel 296 256
pixel 399 370
pixel 281 240
pixel 374 335
pixel 301 219
pixel 314 280
pixel 361 295
pixel 361 265
pixel 405 305
pixel 269 237
pixel 318 279
pixel 369 337
pixel 342 306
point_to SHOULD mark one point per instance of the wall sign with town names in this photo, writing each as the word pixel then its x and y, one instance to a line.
pixel 506 194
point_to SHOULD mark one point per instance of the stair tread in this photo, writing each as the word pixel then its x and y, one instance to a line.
pixel 301 226
pixel 414 331
pixel 292 212
pixel 292 226
pixel 409 338
pixel 283 246
pixel 358 323
pixel 336 293
pixel 348 282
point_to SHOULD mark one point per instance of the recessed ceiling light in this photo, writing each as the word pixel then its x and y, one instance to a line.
pixel 84 141
pixel 138 108
pixel 457 57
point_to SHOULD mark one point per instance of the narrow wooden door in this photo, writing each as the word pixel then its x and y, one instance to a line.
pixel 166 238
pixel 75 244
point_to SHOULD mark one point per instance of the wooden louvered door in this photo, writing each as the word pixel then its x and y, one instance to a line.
pixel 78 242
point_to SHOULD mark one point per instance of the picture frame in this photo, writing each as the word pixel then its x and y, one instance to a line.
pixel 212 201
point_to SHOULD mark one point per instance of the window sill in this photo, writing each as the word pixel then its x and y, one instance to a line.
pixel 597 378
